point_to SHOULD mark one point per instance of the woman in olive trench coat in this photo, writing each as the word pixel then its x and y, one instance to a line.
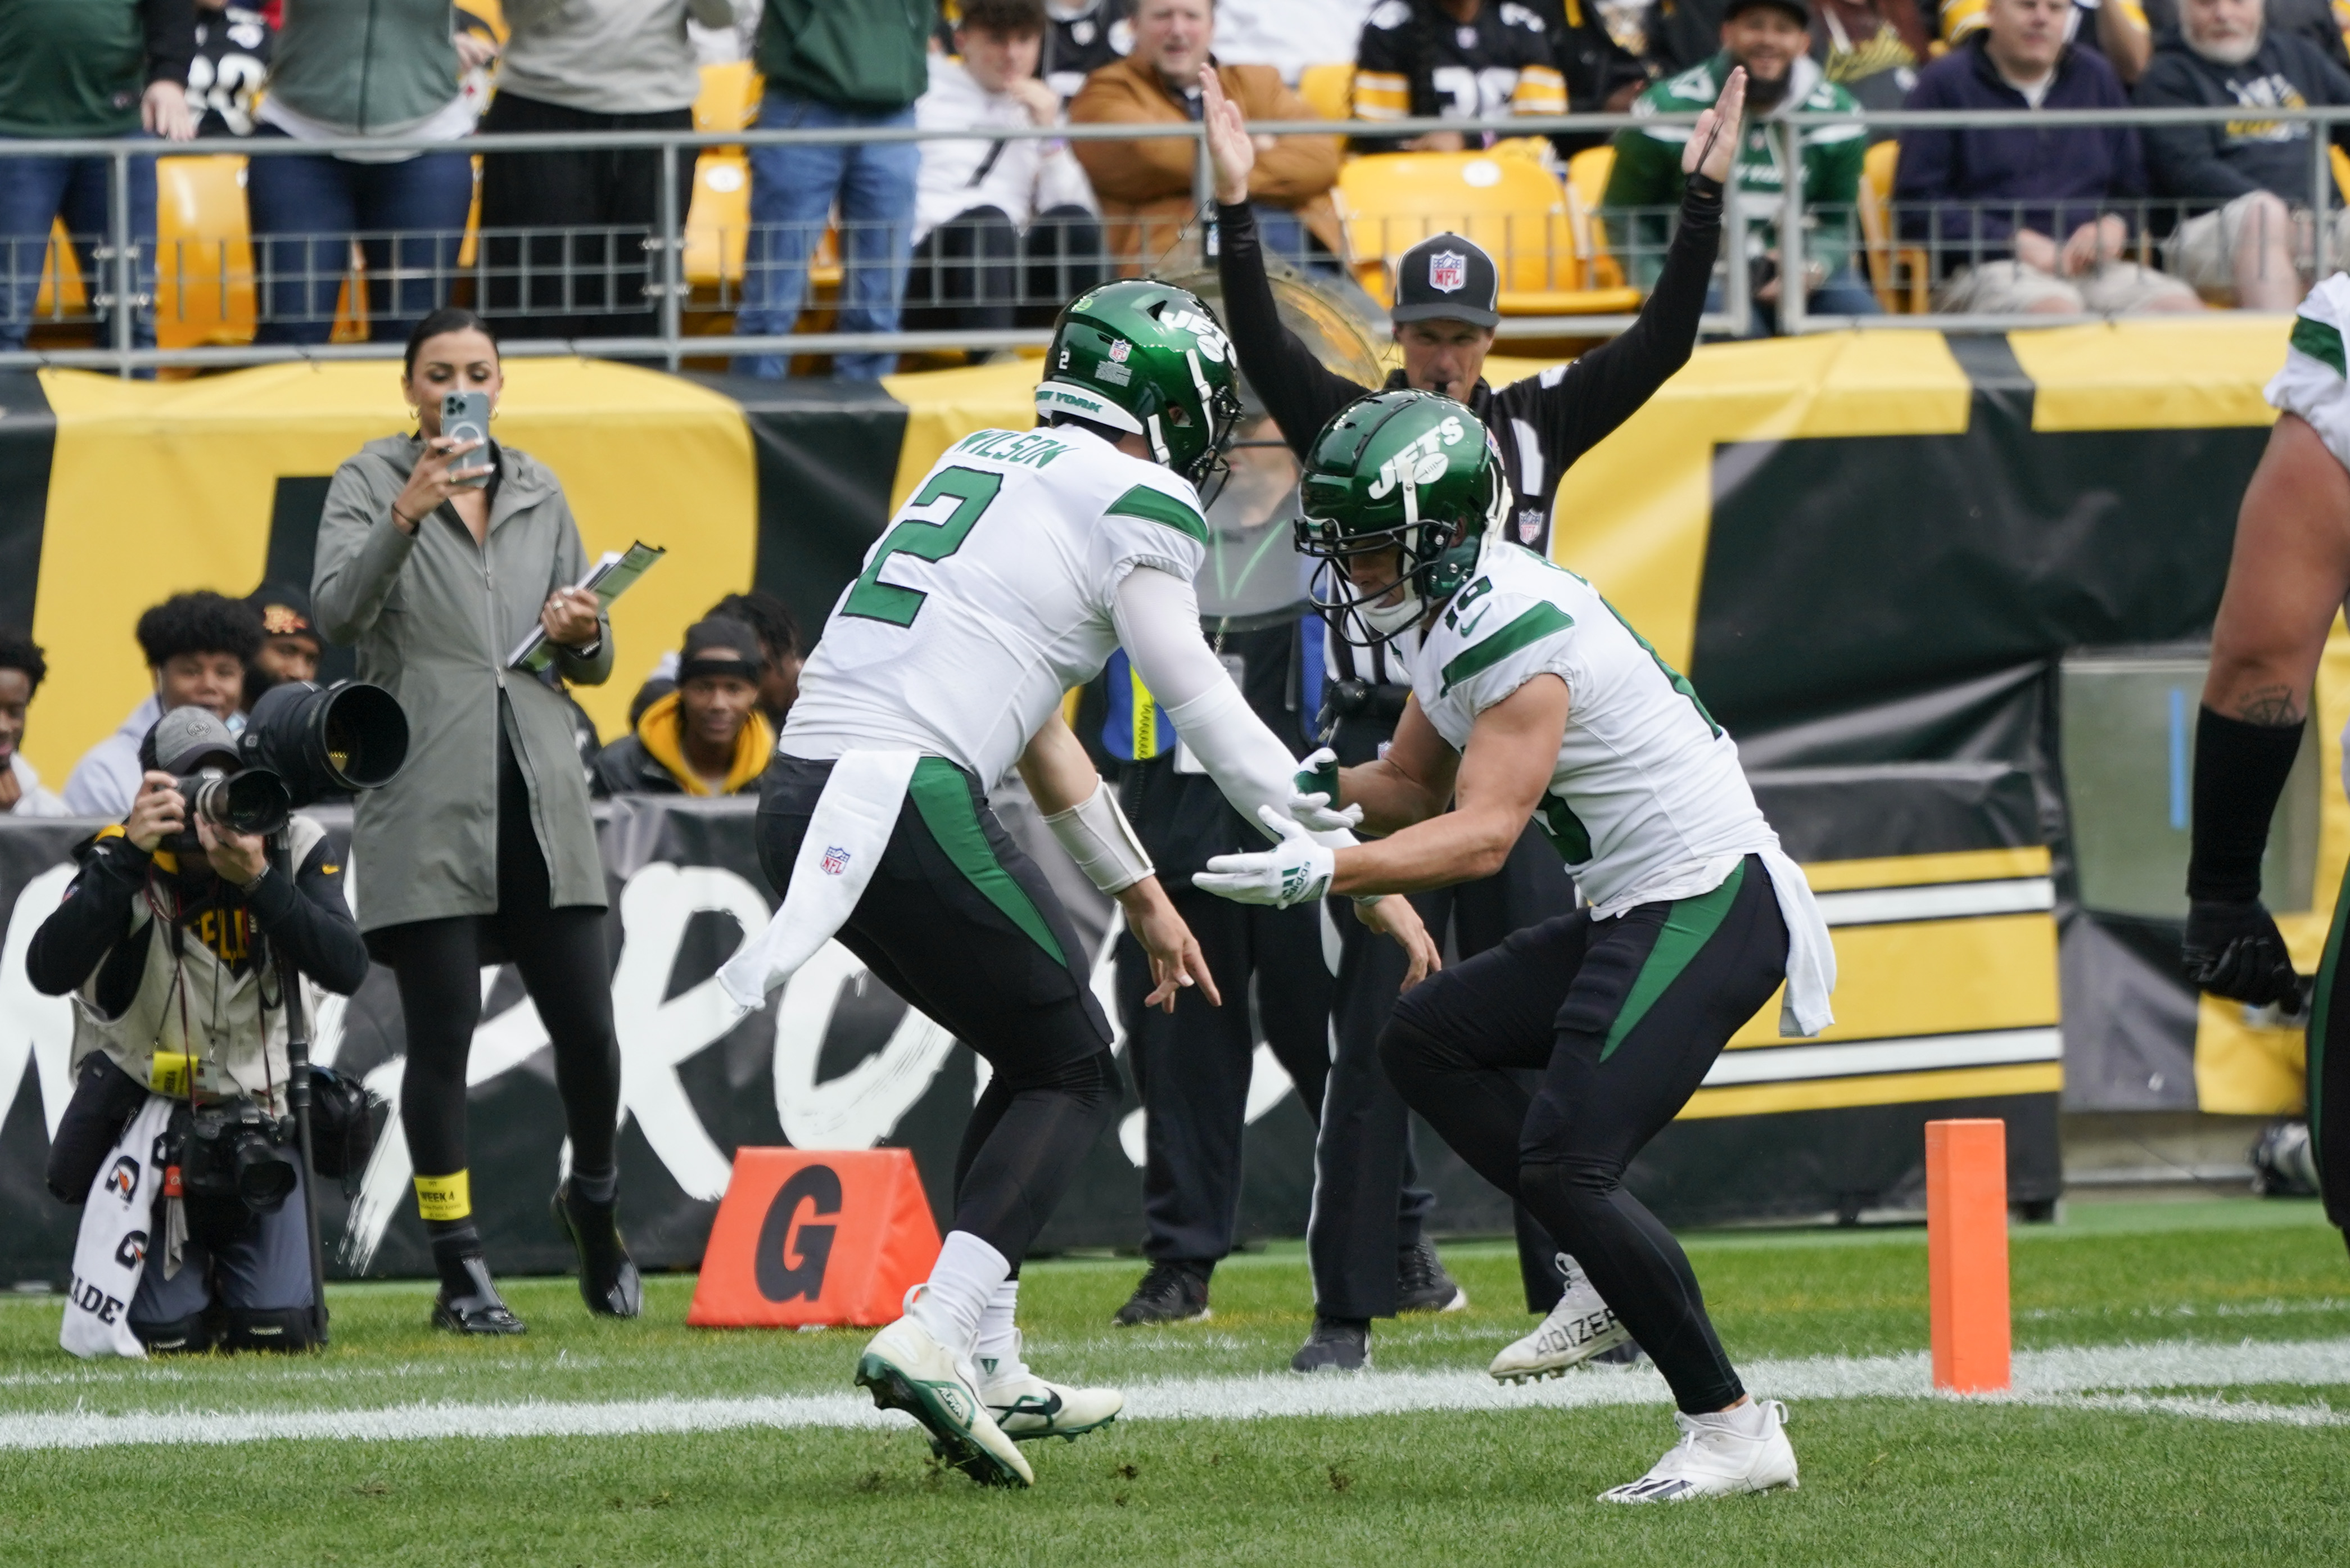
pixel 483 847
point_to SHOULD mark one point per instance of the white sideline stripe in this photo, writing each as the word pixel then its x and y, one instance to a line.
pixel 2069 1379
pixel 1941 902
pixel 1917 1053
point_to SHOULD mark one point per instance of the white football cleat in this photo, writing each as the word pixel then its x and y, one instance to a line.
pixel 909 1369
pixel 1025 1406
pixel 1718 1455
pixel 1579 1328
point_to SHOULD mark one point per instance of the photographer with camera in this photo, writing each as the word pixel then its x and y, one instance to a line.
pixel 436 557
pixel 180 1053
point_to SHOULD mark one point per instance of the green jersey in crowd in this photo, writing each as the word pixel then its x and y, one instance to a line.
pixel 1646 186
pixel 868 55
pixel 77 67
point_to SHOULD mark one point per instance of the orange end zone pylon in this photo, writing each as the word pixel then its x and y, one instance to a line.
pixel 816 1238
pixel 1966 1253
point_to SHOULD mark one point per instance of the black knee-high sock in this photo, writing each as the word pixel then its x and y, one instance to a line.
pixel 1022 1149
pixel 1639 1270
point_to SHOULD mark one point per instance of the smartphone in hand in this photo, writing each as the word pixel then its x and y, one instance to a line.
pixel 465 416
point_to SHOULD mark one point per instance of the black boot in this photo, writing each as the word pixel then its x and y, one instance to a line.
pixel 480 1310
pixel 609 1281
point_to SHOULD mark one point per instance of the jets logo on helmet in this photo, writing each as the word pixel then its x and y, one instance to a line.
pixel 1151 359
pixel 1409 476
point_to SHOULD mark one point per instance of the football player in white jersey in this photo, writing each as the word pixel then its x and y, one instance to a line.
pixel 1532 697
pixel 2286 582
pixel 1016 567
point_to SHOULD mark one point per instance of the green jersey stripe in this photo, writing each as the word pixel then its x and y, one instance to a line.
pixel 942 792
pixel 2320 342
pixel 1157 506
pixel 1531 626
pixel 1689 926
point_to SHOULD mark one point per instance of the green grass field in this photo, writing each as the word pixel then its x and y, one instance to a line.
pixel 2236 1465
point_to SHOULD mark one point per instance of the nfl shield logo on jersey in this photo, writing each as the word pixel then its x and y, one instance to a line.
pixel 1447 272
pixel 836 860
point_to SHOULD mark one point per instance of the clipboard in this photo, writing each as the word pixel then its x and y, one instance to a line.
pixel 614 573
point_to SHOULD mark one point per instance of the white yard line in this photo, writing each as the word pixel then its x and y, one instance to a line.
pixel 2090 1377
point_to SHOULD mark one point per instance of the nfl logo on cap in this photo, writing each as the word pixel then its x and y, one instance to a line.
pixel 1447 272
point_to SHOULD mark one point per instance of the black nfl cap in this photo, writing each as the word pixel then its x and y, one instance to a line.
pixel 1448 277
pixel 1800 10
pixel 187 736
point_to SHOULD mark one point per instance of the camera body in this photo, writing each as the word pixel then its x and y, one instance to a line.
pixel 232 1149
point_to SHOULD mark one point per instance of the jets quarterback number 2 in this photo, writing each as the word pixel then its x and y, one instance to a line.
pixel 923 538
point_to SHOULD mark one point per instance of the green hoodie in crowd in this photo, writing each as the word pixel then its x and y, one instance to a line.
pixel 869 56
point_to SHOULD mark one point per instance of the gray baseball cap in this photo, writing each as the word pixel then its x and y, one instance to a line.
pixel 187 736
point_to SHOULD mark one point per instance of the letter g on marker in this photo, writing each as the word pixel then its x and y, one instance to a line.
pixel 781 1279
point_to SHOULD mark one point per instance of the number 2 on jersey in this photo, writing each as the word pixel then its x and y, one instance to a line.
pixel 874 599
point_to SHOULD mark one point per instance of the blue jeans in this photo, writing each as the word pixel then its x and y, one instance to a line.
pixel 409 218
pixel 1843 293
pixel 792 191
pixel 34 194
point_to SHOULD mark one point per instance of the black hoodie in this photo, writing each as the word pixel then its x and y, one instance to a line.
pixel 2211 165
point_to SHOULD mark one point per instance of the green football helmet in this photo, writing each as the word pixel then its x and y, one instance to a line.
pixel 1406 470
pixel 1150 359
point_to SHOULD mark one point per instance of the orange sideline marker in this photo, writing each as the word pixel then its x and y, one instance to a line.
pixel 1966 1253
pixel 809 1238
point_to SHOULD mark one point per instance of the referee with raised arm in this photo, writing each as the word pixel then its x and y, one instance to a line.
pixel 1444 315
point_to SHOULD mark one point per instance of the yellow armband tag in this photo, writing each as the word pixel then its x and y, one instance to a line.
pixel 445 1197
pixel 172 1074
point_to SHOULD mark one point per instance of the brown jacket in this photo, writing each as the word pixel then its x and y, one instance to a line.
pixel 1144 186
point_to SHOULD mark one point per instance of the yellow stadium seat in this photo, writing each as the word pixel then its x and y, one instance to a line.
pixel 729 98
pixel 1888 261
pixel 203 252
pixel 718 223
pixel 61 290
pixel 490 11
pixel 1329 89
pixel 2341 171
pixel 1513 207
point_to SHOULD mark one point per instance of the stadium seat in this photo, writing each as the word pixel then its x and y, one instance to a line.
pixel 729 97
pixel 1587 187
pixel 718 227
pixel 1901 275
pixel 1511 206
pixel 1329 89
pixel 203 252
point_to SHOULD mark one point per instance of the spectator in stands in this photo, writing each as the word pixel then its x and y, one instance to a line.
pixel 708 736
pixel 833 65
pixel 592 66
pixel 1662 37
pixel 780 656
pixel 1080 37
pixel 2314 21
pixel 22 671
pixel 1146 186
pixel 1770 38
pixel 232 61
pixel 2246 180
pixel 2119 31
pixel 1452 59
pixel 1003 229
pixel 114 68
pixel 362 67
pixel 197 646
pixel 1288 34
pixel 290 645
pixel 2017 221
pixel 1872 49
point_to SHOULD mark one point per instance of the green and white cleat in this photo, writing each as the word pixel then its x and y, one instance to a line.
pixel 1579 1328
pixel 908 1369
pixel 1026 1408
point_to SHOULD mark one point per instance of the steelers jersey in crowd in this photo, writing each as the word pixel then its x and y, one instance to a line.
pixel 1414 59
pixel 231 59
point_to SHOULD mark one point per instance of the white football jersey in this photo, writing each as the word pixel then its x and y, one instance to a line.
pixel 2312 382
pixel 1648 801
pixel 989 596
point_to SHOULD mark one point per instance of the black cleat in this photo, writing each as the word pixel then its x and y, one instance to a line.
pixel 1169 1292
pixel 609 1281
pixel 1336 1344
pixel 1421 1283
pixel 484 1311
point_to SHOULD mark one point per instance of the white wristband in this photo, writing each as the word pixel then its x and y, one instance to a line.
pixel 1101 841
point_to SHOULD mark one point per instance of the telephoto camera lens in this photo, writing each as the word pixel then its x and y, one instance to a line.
pixel 327 741
pixel 250 800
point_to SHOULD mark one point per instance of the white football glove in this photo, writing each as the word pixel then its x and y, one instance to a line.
pixel 1295 870
pixel 1317 787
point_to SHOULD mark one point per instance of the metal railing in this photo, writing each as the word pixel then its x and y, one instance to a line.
pixel 667 285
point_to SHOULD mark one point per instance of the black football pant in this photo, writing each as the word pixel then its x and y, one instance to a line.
pixel 1623 1017
pixel 1363 1158
pixel 1193 1066
pixel 962 925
